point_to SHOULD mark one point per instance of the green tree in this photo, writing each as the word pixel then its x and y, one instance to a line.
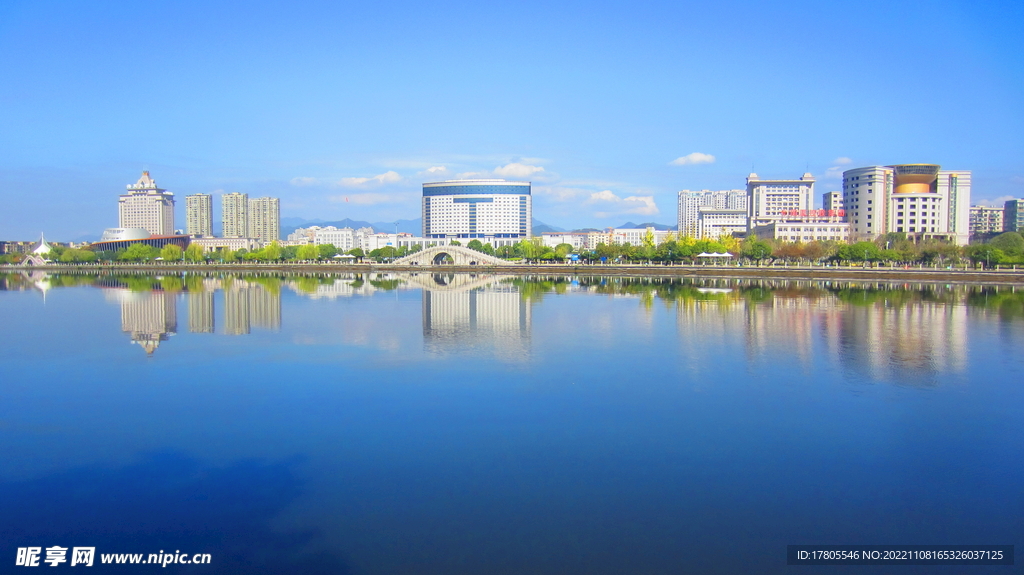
pixel 859 252
pixel 986 254
pixel 416 248
pixel 307 252
pixel 475 245
pixel 171 253
pixel 756 249
pixel 358 252
pixel 1011 243
pixel 384 253
pixel 455 243
pixel 75 256
pixel 562 250
pixel 327 251
pixel 528 249
pixel 138 252
pixel 288 252
pixel 271 253
pixel 648 241
pixel 195 253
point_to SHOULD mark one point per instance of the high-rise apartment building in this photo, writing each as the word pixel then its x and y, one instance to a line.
pixel 147 206
pixel 770 201
pixel 719 206
pixel 199 215
pixel 920 200
pixel 1013 216
pixel 986 220
pixel 234 215
pixel 494 211
pixel 264 219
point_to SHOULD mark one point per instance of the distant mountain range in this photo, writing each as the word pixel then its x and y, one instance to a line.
pixel 415 227
pixel 630 225
pixel 540 227
pixel 659 227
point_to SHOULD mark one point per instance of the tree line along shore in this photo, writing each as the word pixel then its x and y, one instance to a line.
pixel 1001 252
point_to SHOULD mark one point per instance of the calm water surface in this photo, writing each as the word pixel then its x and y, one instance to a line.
pixel 476 424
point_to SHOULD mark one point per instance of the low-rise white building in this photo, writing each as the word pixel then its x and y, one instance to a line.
pixel 578 241
pixel 233 244
pixel 611 236
pixel 714 223
pixel 344 239
pixel 804 231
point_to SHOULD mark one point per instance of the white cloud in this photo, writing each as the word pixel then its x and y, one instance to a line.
pixel 367 199
pixel 385 178
pixel 611 204
pixel 434 172
pixel 834 173
pixel 517 170
pixel 560 193
pixel 692 159
pixel 995 203
pixel 603 196
pixel 304 181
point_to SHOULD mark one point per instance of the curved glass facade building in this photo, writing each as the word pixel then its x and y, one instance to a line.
pixel 478 209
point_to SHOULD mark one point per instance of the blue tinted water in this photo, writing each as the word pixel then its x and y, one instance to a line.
pixel 456 424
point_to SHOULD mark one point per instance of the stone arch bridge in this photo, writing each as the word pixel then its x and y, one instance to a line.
pixel 450 255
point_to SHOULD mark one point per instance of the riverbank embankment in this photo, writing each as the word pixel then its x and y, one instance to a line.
pixel 820 273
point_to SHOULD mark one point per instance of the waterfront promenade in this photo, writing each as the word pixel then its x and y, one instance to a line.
pixel 815 272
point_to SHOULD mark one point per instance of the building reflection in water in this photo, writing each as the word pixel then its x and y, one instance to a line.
pixel 899 333
pixel 200 311
pixel 149 316
pixel 248 304
pixel 474 313
pixel 903 340
pixel 909 344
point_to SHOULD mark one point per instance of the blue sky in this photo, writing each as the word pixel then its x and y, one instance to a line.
pixel 345 109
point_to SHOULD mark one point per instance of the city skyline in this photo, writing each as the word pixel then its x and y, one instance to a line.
pixel 609 111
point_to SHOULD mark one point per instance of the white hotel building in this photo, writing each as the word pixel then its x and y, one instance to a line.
pixel 148 207
pixel 498 212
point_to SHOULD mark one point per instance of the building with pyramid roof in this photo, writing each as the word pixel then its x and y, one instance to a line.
pixel 147 206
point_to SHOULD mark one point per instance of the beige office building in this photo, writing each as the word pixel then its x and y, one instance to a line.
pixel 148 207
pixel 770 201
pixel 920 200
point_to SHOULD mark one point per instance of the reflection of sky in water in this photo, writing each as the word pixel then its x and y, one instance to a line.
pixel 582 429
